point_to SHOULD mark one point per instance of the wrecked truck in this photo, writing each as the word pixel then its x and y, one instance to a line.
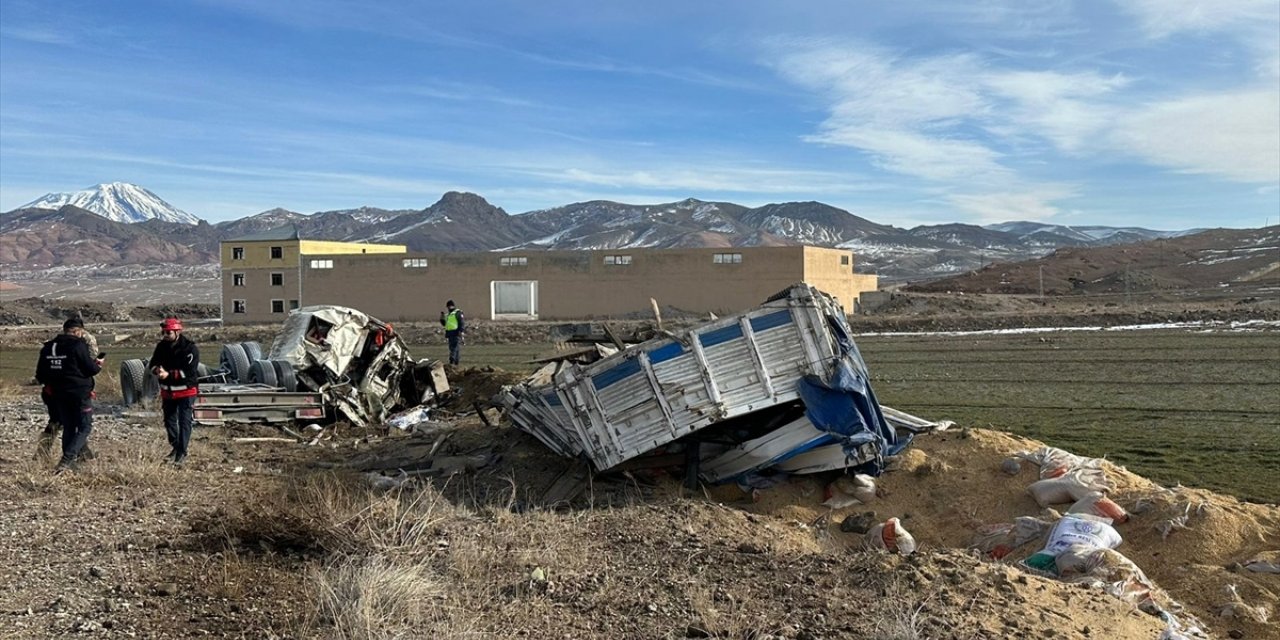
pixel 327 362
pixel 779 388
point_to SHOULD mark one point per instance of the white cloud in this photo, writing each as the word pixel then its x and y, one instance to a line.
pixel 703 179
pixel 39 34
pixel 911 153
pixel 1063 108
pixel 1029 204
pixel 1161 18
pixel 1233 136
pixel 945 118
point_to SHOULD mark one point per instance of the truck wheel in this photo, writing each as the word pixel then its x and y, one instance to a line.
pixel 202 370
pixel 284 373
pixel 133 374
pixel 253 350
pixel 263 372
pixel 235 362
pixel 150 390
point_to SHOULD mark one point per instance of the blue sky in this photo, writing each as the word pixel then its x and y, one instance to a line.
pixel 1163 114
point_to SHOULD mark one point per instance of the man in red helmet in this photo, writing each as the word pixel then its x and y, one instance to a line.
pixel 176 362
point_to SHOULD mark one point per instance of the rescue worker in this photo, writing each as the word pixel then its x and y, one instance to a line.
pixel 53 428
pixel 176 362
pixel 67 368
pixel 455 330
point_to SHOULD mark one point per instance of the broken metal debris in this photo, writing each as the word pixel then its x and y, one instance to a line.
pixel 779 388
pixel 327 362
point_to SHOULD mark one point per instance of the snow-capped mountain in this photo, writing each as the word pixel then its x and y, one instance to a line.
pixel 1058 234
pixel 118 201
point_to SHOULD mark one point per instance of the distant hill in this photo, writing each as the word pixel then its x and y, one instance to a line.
pixel 36 236
pixel 71 235
pixel 1207 259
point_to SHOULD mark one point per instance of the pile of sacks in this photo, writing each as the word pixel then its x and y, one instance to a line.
pixel 1080 544
pixel 860 489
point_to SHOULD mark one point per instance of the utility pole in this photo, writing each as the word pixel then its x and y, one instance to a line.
pixel 1042 282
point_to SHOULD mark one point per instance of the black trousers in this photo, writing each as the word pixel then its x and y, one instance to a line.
pixel 75 412
pixel 178 417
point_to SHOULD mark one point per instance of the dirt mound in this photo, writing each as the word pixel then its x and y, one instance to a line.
pixel 477 385
pixel 948 484
pixel 42 311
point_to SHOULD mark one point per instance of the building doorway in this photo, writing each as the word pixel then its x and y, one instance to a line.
pixel 514 300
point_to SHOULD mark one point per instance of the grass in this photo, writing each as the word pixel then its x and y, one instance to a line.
pixel 1179 407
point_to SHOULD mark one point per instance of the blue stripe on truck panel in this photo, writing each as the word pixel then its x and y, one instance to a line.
pixel 662 354
pixel 617 374
pixel 764 323
pixel 712 338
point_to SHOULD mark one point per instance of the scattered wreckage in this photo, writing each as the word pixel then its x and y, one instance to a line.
pixel 779 388
pixel 327 361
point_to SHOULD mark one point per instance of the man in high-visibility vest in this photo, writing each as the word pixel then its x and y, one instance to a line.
pixel 455 330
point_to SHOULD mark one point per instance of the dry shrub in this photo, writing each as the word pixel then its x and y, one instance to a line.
pixel 335 513
pixel 32 477
pixel 108 393
pixel 723 616
pixel 902 612
pixel 373 596
pixel 10 389
pixel 140 467
pixel 229 574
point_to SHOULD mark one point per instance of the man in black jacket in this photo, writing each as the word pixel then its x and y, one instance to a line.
pixel 67 368
pixel 53 428
pixel 176 362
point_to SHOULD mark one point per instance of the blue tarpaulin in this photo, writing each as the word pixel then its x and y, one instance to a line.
pixel 845 406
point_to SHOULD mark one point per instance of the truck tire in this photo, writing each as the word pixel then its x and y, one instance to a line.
pixel 235 362
pixel 253 350
pixel 133 375
pixel 263 372
pixel 150 388
pixel 285 375
pixel 202 370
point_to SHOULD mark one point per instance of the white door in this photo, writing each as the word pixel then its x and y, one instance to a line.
pixel 514 300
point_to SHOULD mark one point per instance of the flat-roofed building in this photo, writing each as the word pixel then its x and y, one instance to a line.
pixel 262 272
pixel 282 272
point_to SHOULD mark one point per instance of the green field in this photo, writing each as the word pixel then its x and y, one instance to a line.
pixel 1202 409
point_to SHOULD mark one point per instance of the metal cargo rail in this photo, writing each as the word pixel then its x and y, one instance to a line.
pixel 668 388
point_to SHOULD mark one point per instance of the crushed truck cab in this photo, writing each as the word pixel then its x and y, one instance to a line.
pixel 327 362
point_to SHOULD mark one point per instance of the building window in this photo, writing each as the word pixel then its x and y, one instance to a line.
pixel 237 279
pixel 237 306
pixel 617 259
pixel 727 258
pixel 322 264
pixel 237 253
pixel 277 306
pixel 844 260
pixel 293 304
pixel 277 253
pixel 277 279
pixel 513 261
pixel 414 263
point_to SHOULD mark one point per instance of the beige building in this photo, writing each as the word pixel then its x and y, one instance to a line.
pixel 267 274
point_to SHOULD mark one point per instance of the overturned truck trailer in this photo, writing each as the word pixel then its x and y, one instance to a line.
pixel 781 386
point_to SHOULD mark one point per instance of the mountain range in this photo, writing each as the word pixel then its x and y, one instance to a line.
pixel 80 229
